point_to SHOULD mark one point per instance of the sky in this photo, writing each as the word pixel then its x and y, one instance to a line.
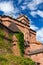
pixel 33 9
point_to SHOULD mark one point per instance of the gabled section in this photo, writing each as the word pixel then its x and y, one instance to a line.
pixel 23 19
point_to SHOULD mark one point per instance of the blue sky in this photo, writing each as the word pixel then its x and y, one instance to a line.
pixel 33 9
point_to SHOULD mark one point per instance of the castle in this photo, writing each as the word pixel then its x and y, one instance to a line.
pixel 33 48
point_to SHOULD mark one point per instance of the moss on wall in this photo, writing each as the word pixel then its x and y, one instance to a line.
pixel 20 43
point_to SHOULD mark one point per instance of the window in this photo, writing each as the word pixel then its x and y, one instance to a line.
pixel 37 63
pixel 14 44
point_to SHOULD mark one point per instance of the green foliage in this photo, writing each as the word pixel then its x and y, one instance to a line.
pixel 4 44
pixel 3 61
pixel 10 36
pixel 2 32
pixel 20 38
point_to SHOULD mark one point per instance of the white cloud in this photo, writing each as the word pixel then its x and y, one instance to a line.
pixel 30 5
pixel 33 13
pixel 23 7
pixel 33 4
pixel 19 1
pixel 39 35
pixel 38 1
pixel 30 21
pixel 34 27
pixel 38 12
pixel 8 8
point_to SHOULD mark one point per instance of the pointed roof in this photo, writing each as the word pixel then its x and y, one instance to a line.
pixel 23 17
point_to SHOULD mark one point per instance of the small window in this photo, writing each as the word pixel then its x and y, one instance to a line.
pixel 37 63
pixel 14 44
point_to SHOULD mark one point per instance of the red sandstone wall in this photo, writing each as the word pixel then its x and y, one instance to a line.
pixel 38 58
pixel 15 47
pixel 32 36
pixel 35 46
